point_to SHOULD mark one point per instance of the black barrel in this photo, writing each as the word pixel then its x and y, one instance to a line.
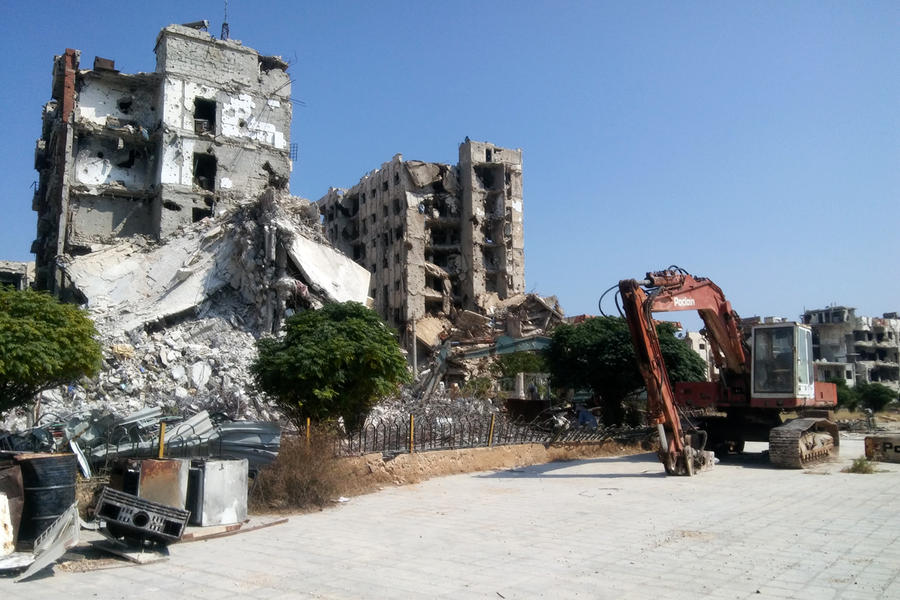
pixel 49 484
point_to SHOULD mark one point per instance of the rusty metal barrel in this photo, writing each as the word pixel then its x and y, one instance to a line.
pixel 48 481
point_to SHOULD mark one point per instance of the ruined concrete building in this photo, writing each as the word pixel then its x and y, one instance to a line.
pixel 436 238
pixel 18 275
pixel 855 349
pixel 146 153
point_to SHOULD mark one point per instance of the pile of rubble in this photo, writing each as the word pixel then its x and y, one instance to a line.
pixel 178 320
pixel 464 344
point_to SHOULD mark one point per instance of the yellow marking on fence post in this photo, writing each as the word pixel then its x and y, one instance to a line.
pixel 491 434
pixel 307 431
pixel 412 434
pixel 162 439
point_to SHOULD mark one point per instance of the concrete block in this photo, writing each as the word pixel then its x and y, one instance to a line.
pixel 883 448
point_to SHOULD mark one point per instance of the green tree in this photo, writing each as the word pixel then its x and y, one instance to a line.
pixel 333 362
pixel 507 365
pixel 43 343
pixel 847 397
pixel 597 354
pixel 875 395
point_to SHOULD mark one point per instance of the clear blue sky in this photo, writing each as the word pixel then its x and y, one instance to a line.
pixel 756 143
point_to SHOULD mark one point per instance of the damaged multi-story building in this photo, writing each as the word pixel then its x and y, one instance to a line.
pixel 853 348
pixel 18 275
pixel 146 153
pixel 436 237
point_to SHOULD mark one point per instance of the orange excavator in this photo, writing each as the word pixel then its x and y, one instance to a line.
pixel 759 380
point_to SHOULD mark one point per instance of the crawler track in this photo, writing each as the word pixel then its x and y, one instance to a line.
pixel 801 442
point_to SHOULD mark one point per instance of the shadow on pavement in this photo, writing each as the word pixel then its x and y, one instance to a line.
pixel 653 468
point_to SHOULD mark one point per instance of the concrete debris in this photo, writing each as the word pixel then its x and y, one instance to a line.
pixel 179 319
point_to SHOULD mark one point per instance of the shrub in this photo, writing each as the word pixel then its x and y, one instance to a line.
pixel 860 465
pixel 304 476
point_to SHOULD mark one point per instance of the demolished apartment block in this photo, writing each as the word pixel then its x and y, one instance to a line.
pixel 144 154
pixel 163 208
pixel 178 319
pixel 855 349
pixel 437 238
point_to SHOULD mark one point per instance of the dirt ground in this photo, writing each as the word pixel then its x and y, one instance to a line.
pixel 372 471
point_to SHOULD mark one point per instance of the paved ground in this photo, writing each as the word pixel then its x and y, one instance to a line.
pixel 601 528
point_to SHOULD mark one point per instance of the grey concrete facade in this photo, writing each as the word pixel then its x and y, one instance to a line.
pixel 435 237
pixel 143 154
pixel 853 348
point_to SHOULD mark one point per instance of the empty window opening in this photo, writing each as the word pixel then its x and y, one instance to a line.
pixel 205 171
pixel 489 176
pixel 384 186
pixel 396 206
pixel 490 283
pixel 128 162
pixel 396 178
pixel 397 315
pixel 169 205
pixel 488 155
pixel 198 214
pixel 396 258
pixel 398 232
pixel 384 210
pixel 397 285
pixel 125 105
pixel 204 116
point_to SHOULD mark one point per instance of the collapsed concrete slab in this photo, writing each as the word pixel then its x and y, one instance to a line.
pixel 179 319
pixel 138 282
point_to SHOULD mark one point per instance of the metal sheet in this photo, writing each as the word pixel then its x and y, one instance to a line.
pixel 164 481
pixel 224 492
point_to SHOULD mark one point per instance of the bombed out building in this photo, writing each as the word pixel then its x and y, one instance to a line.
pixel 146 153
pixel 435 237
pixel 853 348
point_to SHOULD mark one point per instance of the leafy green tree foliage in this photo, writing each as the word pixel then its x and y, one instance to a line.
pixel 847 397
pixel 333 362
pixel 598 354
pixel 507 365
pixel 43 343
pixel 875 395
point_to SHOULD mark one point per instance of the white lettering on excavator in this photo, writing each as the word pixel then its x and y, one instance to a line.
pixel 683 301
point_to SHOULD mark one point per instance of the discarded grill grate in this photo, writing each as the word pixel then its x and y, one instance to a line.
pixel 138 518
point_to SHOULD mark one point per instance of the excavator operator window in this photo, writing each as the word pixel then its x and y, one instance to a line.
pixel 773 360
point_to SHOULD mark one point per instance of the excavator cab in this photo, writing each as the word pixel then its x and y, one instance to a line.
pixel 782 369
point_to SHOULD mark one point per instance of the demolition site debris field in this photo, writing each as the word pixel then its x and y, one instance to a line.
pixel 599 528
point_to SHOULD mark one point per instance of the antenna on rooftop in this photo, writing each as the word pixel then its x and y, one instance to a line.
pixel 225 30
